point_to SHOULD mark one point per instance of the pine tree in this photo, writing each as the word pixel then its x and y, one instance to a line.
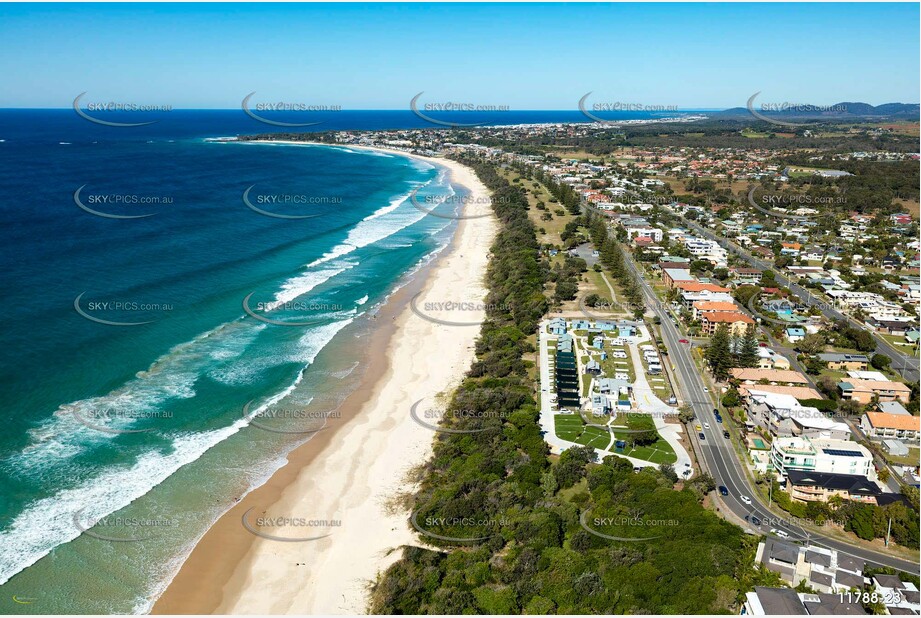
pixel 748 347
pixel 719 353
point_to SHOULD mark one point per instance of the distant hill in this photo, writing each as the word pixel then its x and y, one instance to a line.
pixel 839 111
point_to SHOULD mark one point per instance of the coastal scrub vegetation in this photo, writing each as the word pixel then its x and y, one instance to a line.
pixel 516 531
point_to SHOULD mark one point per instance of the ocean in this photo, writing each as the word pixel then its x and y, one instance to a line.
pixel 181 312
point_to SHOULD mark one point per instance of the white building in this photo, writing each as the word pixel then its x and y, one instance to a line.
pixel 821 455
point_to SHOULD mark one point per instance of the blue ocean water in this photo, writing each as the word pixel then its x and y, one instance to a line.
pixel 138 398
pixel 128 362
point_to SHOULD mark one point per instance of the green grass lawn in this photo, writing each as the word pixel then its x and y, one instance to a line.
pixel 568 426
pixel 573 429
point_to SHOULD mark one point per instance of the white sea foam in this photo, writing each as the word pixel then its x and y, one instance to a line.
pixel 373 228
pixel 49 522
pixel 171 377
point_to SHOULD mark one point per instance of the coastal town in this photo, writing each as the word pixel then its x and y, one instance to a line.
pixel 798 313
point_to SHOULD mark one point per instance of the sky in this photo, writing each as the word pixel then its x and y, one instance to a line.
pixel 525 56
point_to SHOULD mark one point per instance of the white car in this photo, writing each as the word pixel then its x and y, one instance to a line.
pixel 780 533
pixel 706 390
pixel 706 425
pixel 745 499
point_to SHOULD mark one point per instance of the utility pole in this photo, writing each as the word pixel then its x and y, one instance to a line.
pixel 888 531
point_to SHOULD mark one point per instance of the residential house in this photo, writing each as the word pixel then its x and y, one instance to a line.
pixel 883 425
pixel 769 376
pixel 673 276
pixel 863 391
pixel 811 486
pixel 843 362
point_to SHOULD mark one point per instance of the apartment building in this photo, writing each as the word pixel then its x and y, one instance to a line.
pixel 863 391
pixel 883 425
pixel 821 455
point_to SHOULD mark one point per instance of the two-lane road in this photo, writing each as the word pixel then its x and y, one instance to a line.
pixel 906 365
pixel 720 458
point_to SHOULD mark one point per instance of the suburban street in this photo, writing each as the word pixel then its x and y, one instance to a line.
pixel 906 365
pixel 719 457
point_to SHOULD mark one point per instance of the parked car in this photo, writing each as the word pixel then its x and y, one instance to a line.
pixel 780 533
pixel 706 390
pixel 706 425
pixel 716 412
pixel 683 341
pixel 724 491
pixel 702 436
pixel 745 499
pixel 699 428
pixel 719 419
pixel 726 434
pixel 754 519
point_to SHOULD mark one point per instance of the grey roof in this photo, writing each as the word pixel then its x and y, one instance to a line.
pixel 892 407
pixel 814 557
pixel 889 581
pixel 783 552
pixel 823 579
pixel 780 601
pixel 848 579
pixel 786 572
pixel 899 611
pixel 850 563
pixel 839 357
pixel 831 604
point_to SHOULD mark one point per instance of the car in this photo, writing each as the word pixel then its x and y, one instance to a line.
pixel 754 519
pixel 716 412
pixel 724 491
pixel 726 434
pixel 706 390
pixel 699 428
pixel 780 533
pixel 702 436
pixel 719 419
pixel 745 499
pixel 762 345
pixel 706 425
pixel 683 341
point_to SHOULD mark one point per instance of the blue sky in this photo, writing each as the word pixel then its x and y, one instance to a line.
pixel 526 56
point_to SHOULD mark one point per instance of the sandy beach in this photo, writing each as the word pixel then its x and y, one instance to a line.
pixel 345 484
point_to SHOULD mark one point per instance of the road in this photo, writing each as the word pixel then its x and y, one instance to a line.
pixel 907 366
pixel 720 458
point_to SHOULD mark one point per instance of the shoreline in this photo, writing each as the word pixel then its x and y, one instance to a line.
pixel 357 471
